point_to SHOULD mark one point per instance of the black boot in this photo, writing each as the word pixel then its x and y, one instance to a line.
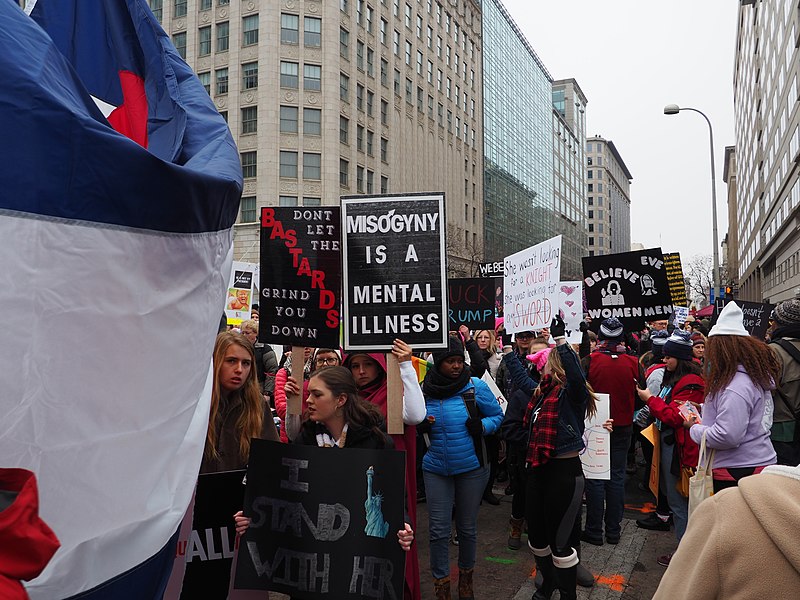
pixel 566 574
pixel 545 568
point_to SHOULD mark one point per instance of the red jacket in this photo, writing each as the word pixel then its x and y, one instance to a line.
pixel 615 375
pixel 690 388
pixel 26 542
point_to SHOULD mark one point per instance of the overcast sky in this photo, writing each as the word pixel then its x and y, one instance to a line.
pixel 631 58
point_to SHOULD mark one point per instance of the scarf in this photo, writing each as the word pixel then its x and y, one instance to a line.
pixel 541 419
pixel 438 386
pixel 325 440
pixel 786 331
pixel 610 347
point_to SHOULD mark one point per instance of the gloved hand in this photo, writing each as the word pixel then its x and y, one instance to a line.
pixel 557 327
pixel 474 426
pixel 584 326
pixel 425 426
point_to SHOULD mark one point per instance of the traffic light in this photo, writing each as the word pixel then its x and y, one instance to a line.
pixel 729 292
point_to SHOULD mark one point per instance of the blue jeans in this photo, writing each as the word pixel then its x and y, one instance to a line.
pixel 465 490
pixel 677 503
pixel 609 495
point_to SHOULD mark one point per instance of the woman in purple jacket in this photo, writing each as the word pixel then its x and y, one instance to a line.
pixel 737 414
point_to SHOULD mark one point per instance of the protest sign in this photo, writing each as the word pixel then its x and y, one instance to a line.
pixel 530 290
pixel 499 396
pixel 675 280
pixel 471 303
pixel 395 282
pixel 208 550
pixel 324 522
pixel 631 286
pixel 652 435
pixel 570 305
pixel 492 269
pixel 756 315
pixel 679 315
pixel 241 292
pixel 596 454
pixel 300 276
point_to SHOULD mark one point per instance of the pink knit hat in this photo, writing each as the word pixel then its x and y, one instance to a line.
pixel 540 358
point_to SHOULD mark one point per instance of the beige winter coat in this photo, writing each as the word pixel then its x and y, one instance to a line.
pixel 741 543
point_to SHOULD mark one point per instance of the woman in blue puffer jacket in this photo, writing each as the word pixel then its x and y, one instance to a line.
pixel 460 411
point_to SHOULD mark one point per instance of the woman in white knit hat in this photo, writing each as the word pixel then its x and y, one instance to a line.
pixel 737 414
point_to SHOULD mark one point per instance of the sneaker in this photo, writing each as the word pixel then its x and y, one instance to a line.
pixel 664 560
pixel 591 540
pixel 653 522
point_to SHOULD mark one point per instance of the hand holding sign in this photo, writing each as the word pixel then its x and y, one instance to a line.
pixel 402 351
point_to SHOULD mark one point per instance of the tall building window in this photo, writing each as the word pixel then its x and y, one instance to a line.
pixel 370 102
pixel 344 44
pixel 248 213
pixel 370 62
pixel 384 26
pixel 288 164
pixel 384 112
pixel 223 2
pixel 249 30
pixel 384 73
pixel 384 185
pixel 180 9
pixel 312 121
pixel 369 19
pixel 307 201
pixel 312 77
pixel 157 6
pixel 287 201
pixel 384 150
pixel 221 77
pixel 344 170
pixel 289 74
pixel 223 36
pixel 360 97
pixel 359 179
pixel 288 119
pixel 179 39
pixel 370 181
pixel 360 55
pixel 205 4
pixel 344 130
pixel 420 100
pixel 312 32
pixel 430 72
pixel 312 165
pixel 396 43
pixel 249 160
pixel 408 16
pixel 419 62
pixel 205 79
pixel 397 82
pixel 250 75
pixel 204 41
pixel 409 87
pixel 289 29
pixel 344 87
pixel 360 138
pixel 250 119
pixel 370 139
pixel 408 53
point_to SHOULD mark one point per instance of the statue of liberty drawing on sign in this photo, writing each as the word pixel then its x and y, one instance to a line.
pixel 376 526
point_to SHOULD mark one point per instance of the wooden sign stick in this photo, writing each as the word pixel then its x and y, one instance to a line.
pixel 294 402
pixel 394 396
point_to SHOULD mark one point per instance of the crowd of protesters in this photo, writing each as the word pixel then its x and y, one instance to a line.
pixel 716 385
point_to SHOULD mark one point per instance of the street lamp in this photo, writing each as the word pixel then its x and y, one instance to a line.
pixel 674 109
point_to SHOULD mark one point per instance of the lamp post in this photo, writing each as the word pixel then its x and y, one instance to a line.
pixel 674 109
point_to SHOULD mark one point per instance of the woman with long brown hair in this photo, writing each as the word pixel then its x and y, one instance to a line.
pixel 737 414
pixel 238 410
pixel 555 419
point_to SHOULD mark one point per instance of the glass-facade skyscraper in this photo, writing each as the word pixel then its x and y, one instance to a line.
pixel 518 138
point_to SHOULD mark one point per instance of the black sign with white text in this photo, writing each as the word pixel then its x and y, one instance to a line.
pixel 324 522
pixel 631 286
pixel 756 315
pixel 300 276
pixel 395 284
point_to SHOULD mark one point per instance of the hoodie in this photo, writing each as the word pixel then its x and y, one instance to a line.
pixel 737 423
pixel 26 542
pixel 741 543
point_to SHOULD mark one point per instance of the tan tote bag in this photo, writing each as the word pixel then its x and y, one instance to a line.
pixel 701 485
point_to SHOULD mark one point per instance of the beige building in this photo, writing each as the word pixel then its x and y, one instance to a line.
pixel 767 122
pixel 608 186
pixel 334 97
pixel 569 175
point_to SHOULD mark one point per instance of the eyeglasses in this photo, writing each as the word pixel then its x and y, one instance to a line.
pixel 524 336
pixel 333 361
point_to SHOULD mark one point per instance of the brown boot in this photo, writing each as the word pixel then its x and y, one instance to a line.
pixel 465 584
pixel 515 533
pixel 441 587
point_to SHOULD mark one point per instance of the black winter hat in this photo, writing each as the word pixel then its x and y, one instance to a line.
pixel 455 348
